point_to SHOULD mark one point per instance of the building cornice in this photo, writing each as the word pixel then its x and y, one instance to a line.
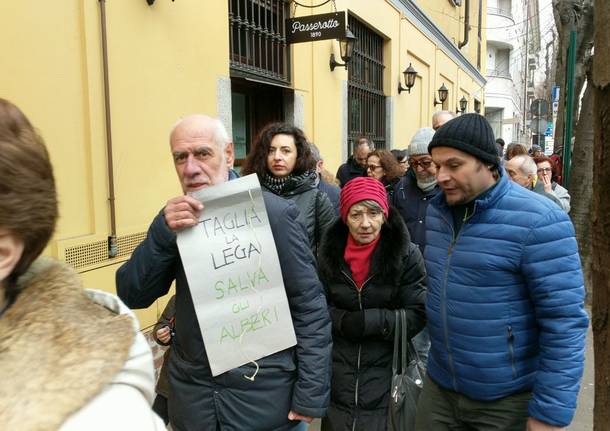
pixel 423 22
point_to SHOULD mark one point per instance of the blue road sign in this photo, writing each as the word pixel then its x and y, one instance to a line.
pixel 555 93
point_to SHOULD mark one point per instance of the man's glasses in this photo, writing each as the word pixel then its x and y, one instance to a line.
pixel 373 167
pixel 423 163
pixel 544 170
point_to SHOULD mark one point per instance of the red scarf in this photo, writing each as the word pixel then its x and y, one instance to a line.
pixel 358 257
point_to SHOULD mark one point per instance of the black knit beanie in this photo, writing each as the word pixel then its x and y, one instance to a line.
pixel 470 133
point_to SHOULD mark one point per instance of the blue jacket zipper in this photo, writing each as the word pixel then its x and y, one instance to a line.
pixel 454 240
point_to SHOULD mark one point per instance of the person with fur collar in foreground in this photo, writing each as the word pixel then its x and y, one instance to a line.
pixel 70 358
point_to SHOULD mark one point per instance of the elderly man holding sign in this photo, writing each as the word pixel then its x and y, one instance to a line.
pixel 220 377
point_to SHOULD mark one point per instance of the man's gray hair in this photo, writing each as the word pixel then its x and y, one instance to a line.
pixel 315 152
pixel 364 140
pixel 220 134
pixel 221 137
pixel 441 113
pixel 526 164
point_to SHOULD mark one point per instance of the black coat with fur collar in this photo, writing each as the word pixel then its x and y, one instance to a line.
pixel 396 280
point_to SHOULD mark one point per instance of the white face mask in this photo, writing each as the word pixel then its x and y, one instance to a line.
pixel 426 184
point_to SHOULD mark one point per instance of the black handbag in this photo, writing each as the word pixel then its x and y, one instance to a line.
pixel 407 381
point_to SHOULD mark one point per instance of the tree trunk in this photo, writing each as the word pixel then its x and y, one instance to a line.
pixel 600 217
pixel 577 15
pixel 584 43
pixel 563 11
pixel 581 180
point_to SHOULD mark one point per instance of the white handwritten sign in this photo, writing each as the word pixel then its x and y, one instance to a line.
pixel 234 276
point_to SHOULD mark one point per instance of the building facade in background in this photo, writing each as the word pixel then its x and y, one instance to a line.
pixel 513 46
pixel 227 58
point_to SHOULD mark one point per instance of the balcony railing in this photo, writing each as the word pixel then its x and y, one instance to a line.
pixel 500 11
pixel 499 73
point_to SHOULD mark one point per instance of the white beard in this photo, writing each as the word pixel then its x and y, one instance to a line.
pixel 426 184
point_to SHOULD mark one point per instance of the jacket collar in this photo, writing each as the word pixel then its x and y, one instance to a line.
pixel 233 175
pixel 58 348
pixel 291 185
pixel 354 165
pixel 387 257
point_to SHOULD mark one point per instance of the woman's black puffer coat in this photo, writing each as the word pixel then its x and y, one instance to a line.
pixel 362 370
pixel 316 211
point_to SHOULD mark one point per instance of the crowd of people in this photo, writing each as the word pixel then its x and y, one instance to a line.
pixel 472 242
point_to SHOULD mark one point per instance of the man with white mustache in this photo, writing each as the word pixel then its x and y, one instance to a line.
pixel 293 385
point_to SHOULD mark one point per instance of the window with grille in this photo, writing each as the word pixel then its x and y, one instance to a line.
pixel 366 101
pixel 257 38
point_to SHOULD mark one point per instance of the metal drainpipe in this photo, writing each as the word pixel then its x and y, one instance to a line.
pixel 480 34
pixel 466 25
pixel 548 70
pixel 112 242
pixel 525 71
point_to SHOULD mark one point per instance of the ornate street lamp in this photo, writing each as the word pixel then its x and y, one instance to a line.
pixel 410 74
pixel 346 48
pixel 463 104
pixel 443 93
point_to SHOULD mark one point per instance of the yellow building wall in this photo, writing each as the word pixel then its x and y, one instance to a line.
pixel 404 43
pixel 450 19
pixel 165 61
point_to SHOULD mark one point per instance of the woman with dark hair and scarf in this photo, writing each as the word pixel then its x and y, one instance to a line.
pixel 369 268
pixel 282 159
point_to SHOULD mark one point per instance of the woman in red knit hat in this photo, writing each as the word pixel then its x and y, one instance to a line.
pixel 370 268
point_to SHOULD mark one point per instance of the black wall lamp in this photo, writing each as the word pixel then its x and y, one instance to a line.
pixel 463 104
pixel 443 93
pixel 410 73
pixel 346 47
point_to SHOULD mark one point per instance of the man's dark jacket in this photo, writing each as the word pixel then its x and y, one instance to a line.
pixel 332 192
pixel 412 203
pixel 349 170
pixel 294 379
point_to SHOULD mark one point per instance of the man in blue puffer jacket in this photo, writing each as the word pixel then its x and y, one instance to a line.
pixel 505 302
